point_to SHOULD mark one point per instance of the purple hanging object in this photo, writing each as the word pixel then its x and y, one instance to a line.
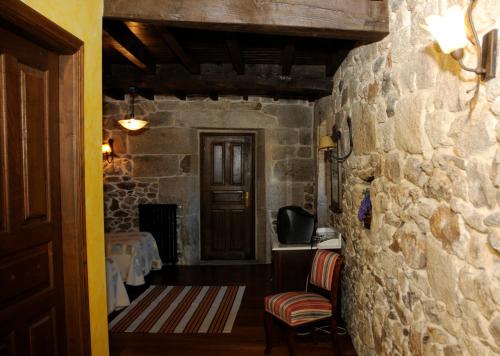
pixel 365 207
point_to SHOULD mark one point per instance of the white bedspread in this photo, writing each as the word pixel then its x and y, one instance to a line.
pixel 135 253
pixel 117 294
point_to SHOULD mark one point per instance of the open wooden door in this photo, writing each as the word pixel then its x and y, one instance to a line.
pixel 43 299
pixel 227 197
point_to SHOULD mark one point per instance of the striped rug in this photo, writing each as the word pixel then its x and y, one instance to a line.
pixel 181 309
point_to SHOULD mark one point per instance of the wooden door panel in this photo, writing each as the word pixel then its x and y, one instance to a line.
pixel 218 219
pixel 236 221
pixel 227 197
pixel 4 201
pixel 28 272
pixel 34 114
pixel 42 335
pixel 31 270
pixel 227 216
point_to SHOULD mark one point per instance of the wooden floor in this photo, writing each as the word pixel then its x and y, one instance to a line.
pixel 247 337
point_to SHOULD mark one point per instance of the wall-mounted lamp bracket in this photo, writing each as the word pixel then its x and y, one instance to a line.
pixel 489 55
pixel 337 138
pixel 488 61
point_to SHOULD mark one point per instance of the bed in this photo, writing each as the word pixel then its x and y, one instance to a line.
pixel 135 254
pixel 115 288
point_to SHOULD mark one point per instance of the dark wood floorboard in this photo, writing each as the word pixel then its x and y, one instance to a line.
pixel 247 337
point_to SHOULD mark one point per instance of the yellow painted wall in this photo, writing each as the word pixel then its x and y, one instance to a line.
pixel 83 19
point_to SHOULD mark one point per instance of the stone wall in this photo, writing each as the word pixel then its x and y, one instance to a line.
pixel 161 164
pixel 425 280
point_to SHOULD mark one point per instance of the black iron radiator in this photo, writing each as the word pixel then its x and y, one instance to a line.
pixel 161 221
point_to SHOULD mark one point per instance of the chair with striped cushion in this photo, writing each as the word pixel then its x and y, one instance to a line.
pixel 296 309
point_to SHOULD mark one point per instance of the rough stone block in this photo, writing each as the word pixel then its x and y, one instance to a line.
pixel 182 191
pixel 442 270
pixel 156 166
pixel 296 170
pixel 283 136
pixel 241 119
pixel 283 194
pixel 282 152
pixel 162 118
pixel 295 116
pixel 305 137
pixel 409 123
pixel 163 141
pixel 364 129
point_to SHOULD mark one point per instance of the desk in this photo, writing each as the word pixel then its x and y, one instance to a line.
pixel 292 264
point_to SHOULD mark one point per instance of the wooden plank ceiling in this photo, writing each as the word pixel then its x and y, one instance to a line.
pixel 158 54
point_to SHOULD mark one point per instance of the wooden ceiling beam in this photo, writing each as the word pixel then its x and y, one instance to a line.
pixel 261 80
pixel 130 46
pixel 366 20
pixel 336 52
pixel 190 63
pixel 288 57
pixel 233 47
pixel 117 94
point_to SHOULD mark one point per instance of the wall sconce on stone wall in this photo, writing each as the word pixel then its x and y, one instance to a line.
pixel 450 32
pixel 329 143
pixel 107 151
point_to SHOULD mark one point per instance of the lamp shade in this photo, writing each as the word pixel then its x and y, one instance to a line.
pixel 326 143
pixel 448 30
pixel 133 124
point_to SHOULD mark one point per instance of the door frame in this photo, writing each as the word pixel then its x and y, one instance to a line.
pixel 226 132
pixel 19 18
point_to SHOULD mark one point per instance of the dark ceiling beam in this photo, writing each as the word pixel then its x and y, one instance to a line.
pixel 334 60
pixel 345 19
pixel 288 57
pixel 146 93
pixel 191 64
pixel 117 94
pixel 261 80
pixel 180 95
pixel 233 47
pixel 336 53
pixel 130 46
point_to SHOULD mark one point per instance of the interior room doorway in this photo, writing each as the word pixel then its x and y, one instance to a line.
pixel 227 196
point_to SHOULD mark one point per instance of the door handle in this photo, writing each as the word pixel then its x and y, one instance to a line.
pixel 247 199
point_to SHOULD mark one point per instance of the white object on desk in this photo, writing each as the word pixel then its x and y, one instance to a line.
pixel 330 244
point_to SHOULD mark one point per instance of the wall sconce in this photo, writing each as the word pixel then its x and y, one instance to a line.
pixel 449 31
pixel 329 143
pixel 132 124
pixel 107 151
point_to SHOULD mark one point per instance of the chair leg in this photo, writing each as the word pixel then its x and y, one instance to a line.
pixel 314 335
pixel 291 342
pixel 268 327
pixel 335 339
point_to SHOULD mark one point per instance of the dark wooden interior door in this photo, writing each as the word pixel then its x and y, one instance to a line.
pixel 227 197
pixel 31 271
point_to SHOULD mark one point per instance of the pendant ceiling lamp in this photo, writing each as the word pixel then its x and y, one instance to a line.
pixel 132 123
